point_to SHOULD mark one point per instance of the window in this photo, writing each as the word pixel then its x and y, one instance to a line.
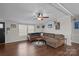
pixel 22 30
pixel 1 25
pixel 77 25
pixel 30 28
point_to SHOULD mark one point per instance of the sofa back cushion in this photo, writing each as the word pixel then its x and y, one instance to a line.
pixel 59 36
pixel 34 34
pixel 49 35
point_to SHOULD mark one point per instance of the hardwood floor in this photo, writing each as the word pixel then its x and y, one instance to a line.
pixel 27 49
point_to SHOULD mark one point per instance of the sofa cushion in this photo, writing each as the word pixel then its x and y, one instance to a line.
pixel 51 40
pixel 35 34
pixel 49 35
pixel 59 36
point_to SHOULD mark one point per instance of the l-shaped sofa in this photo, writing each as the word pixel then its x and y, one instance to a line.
pixel 53 40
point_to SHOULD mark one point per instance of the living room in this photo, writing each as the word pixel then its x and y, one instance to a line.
pixel 21 20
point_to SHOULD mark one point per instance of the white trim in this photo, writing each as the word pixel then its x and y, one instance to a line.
pixel 65 9
pixel 75 42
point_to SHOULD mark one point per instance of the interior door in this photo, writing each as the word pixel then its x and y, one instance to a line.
pixel 2 32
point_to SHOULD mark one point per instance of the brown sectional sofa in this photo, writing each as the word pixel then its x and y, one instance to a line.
pixel 53 40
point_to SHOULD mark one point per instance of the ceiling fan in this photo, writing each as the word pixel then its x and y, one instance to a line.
pixel 41 15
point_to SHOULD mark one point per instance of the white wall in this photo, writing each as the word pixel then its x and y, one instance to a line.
pixel 13 34
pixel 65 28
pixel 40 29
pixel 75 32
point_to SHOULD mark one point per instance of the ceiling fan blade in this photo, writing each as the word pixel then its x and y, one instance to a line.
pixel 43 17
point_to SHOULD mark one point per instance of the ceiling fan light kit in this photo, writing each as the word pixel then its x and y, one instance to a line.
pixel 39 19
pixel 40 15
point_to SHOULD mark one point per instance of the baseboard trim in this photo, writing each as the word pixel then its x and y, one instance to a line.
pixel 2 43
pixel 13 42
pixel 75 42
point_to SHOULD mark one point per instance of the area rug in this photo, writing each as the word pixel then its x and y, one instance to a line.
pixel 38 43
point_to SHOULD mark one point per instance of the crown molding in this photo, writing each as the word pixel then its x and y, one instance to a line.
pixel 61 8
pixel 65 9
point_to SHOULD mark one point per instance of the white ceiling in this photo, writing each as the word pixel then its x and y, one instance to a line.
pixel 72 7
pixel 23 12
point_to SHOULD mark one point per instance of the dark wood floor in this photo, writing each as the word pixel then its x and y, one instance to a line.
pixel 25 48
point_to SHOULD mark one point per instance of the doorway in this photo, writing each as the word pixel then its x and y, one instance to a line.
pixel 2 32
